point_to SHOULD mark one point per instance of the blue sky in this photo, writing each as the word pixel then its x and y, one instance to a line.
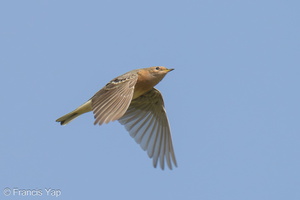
pixel 232 100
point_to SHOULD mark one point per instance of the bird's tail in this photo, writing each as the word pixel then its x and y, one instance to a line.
pixel 86 107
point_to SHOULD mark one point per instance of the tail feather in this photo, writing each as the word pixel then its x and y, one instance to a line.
pixel 67 118
pixel 86 107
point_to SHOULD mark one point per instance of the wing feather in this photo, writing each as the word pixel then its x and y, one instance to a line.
pixel 111 102
pixel 147 122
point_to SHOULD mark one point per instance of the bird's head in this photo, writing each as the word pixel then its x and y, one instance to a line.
pixel 159 71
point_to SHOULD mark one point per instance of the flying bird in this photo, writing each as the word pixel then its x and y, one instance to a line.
pixel 132 100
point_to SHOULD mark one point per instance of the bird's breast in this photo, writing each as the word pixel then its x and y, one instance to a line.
pixel 140 90
pixel 143 85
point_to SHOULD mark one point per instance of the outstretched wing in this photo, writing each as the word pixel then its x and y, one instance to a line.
pixel 147 123
pixel 111 102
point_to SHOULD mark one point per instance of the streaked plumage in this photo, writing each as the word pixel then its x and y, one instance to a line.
pixel 132 100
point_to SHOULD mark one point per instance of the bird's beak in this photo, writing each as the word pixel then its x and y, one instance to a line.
pixel 168 70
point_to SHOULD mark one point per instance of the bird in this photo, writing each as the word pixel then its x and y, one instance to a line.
pixel 132 100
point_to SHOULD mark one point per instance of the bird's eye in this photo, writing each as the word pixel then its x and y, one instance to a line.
pixel 157 68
